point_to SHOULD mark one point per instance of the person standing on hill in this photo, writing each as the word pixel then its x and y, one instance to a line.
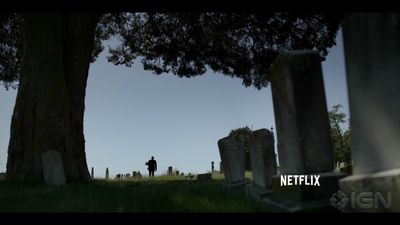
pixel 151 166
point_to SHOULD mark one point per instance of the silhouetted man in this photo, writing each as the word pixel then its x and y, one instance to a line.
pixel 151 166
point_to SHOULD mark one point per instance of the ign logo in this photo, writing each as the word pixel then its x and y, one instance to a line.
pixel 363 200
pixel 339 200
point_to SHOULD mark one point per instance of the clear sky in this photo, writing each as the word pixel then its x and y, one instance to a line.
pixel 132 114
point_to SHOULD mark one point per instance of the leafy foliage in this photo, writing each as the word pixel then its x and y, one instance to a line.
pixel 241 45
pixel 341 139
pixel 10 49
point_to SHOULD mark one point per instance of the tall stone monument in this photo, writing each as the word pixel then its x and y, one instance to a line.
pixel 302 126
pixel 372 54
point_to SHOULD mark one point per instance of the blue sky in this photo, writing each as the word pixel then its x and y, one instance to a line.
pixel 132 114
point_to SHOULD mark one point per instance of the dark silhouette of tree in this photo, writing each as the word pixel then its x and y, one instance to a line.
pixel 236 44
pixel 48 56
pixel 10 49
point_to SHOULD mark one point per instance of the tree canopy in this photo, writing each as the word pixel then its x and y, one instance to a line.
pixel 241 45
pixel 10 49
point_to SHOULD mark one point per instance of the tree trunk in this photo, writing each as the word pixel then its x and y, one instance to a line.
pixel 49 108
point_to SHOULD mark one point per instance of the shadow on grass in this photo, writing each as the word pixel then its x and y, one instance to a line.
pixel 146 195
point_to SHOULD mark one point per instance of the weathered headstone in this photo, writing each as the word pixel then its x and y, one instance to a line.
pixel 233 159
pixel 262 157
pixel 2 176
pixel 204 177
pixel 53 168
pixel 263 164
pixel 134 174
pixel 190 176
pixel 302 126
pixel 177 173
pixel 169 170
pixel 301 116
pixel 92 173
pixel 372 54
pixel 107 174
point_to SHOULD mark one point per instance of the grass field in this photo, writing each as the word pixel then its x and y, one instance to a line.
pixel 160 194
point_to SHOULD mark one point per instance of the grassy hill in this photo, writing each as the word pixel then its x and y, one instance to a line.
pixel 160 194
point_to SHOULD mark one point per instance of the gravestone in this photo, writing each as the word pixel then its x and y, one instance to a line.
pixel 182 174
pixel 53 168
pixel 233 159
pixel 204 177
pixel 169 170
pixel 177 173
pixel 301 117
pixel 2 176
pixel 212 167
pixel 263 164
pixel 107 174
pixel 372 54
pixel 134 174
pixel 92 173
pixel 190 176
pixel 262 157
pixel 302 126
pixel 128 175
